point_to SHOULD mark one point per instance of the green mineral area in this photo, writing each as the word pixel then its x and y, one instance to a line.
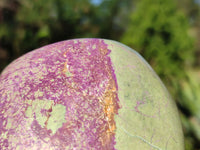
pixel 148 117
pixel 52 119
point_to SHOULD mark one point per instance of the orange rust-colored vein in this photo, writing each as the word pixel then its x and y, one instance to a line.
pixel 110 109
pixel 103 51
pixel 110 105
pixel 65 69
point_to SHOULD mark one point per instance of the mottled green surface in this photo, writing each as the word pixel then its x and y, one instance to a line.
pixel 148 118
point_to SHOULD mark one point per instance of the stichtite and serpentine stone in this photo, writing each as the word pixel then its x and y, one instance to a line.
pixel 86 94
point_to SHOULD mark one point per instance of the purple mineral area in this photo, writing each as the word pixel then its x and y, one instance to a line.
pixel 77 74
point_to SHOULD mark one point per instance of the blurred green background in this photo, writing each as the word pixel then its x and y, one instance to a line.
pixel 165 32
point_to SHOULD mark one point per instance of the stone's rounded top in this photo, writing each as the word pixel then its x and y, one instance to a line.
pixel 86 94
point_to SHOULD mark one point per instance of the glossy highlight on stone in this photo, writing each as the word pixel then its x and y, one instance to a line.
pixel 85 94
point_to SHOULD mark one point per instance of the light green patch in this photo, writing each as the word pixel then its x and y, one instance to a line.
pixel 4 135
pixel 9 124
pixel 18 147
pixel 38 93
pixel 56 116
pixel 68 74
pixel 15 73
pixel 155 123
pixel 94 46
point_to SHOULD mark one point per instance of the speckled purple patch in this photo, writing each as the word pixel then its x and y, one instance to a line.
pixel 61 96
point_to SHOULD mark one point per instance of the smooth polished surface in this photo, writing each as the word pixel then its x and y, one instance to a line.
pixel 86 94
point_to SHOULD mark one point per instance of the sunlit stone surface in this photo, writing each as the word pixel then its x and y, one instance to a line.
pixel 85 94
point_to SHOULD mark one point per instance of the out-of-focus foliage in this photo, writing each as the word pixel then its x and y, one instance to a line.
pixel 34 23
pixel 189 103
pixel 160 30
pixel 160 33
pixel 190 93
pixel 192 11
